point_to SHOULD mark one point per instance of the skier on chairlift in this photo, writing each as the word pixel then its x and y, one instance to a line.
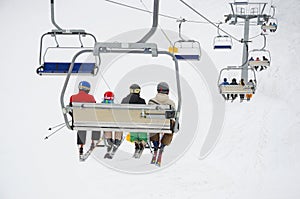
pixel 112 144
pixel 233 96
pixel 162 97
pixel 225 83
pixel 84 96
pixel 140 138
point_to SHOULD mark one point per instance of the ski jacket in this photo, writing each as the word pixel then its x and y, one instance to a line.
pixel 161 98
pixel 133 98
pixel 82 97
pixel 224 83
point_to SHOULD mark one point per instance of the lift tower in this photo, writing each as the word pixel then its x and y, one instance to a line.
pixel 244 13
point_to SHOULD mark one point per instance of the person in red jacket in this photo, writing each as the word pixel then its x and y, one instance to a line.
pixel 84 96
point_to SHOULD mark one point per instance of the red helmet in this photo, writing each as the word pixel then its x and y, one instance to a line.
pixel 109 95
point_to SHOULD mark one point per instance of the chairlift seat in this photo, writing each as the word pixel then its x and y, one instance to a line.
pixel 237 89
pixel 122 117
pixel 63 68
pixel 187 50
pixel 222 46
pixel 268 27
pixel 259 63
pixel 187 57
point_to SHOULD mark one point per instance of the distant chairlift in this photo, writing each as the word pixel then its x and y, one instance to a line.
pixel 222 41
pixel 271 24
pixel 260 57
pixel 185 49
pixel 234 72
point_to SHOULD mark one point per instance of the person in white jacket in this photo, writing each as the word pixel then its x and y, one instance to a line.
pixel 162 97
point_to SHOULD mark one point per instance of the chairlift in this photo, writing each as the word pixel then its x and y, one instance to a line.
pixel 222 41
pixel 270 26
pixel 55 67
pixel 260 57
pixel 186 49
pixel 55 60
pixel 234 72
pixel 123 117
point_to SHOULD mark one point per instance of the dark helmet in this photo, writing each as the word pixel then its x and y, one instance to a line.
pixel 84 86
pixel 163 87
pixel 225 79
pixel 135 88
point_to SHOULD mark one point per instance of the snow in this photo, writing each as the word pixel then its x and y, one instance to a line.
pixel 256 155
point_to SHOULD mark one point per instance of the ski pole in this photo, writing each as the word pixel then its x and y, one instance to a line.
pixel 54 132
pixel 50 128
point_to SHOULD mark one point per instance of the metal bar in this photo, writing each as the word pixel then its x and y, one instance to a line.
pixel 52 16
pixel 66 84
pixel 154 24
pixel 120 106
pixel 244 74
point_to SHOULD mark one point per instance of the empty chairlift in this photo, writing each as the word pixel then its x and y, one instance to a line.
pixel 222 41
pixel 56 60
pixel 186 49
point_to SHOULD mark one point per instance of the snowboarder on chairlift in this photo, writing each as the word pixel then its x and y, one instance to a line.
pixel 112 144
pixel 162 97
pixel 140 138
pixel 84 96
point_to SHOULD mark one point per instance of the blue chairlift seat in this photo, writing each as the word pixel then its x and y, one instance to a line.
pixel 222 46
pixel 187 57
pixel 63 68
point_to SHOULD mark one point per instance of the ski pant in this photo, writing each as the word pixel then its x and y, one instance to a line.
pixel 81 136
pixel 248 96
pixel 118 135
pixel 165 140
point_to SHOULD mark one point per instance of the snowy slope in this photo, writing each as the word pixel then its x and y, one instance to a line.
pixel 257 155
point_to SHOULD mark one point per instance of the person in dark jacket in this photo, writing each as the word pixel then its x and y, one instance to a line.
pixel 134 96
pixel 233 96
pixel 242 96
pixel 139 139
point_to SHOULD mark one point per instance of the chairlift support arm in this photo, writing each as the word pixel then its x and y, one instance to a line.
pixel 154 23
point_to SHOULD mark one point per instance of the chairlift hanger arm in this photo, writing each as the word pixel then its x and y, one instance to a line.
pixel 154 23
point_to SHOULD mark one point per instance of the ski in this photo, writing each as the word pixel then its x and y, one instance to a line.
pixel 88 153
pixel 85 156
pixel 153 161
pixel 110 154
pixel 141 149
pixel 159 158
